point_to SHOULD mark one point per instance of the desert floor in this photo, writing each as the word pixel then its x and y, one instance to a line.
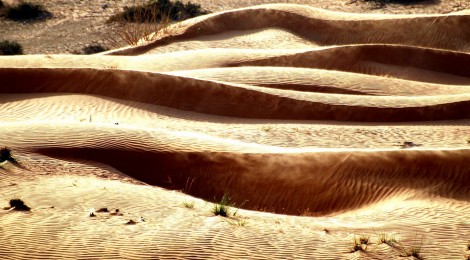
pixel 322 127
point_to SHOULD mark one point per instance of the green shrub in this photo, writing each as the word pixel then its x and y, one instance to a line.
pixel 175 11
pixel 94 48
pixel 223 208
pixel 26 12
pixel 10 48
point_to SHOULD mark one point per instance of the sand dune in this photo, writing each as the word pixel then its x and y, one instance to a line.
pixel 320 126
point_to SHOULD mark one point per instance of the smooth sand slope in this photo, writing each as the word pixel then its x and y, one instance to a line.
pixel 321 126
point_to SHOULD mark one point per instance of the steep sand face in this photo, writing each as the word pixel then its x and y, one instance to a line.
pixel 321 126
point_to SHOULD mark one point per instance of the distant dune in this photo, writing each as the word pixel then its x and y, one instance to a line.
pixel 322 127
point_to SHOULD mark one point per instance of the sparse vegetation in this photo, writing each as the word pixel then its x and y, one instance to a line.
pixel 25 11
pixel 382 2
pixel 131 222
pixel 188 205
pixel 145 23
pixel 159 9
pixel 5 155
pixel 102 210
pixel 223 208
pixel 238 222
pixel 10 48
pixel 94 48
pixel 358 244
pixel 414 251
pixel 388 239
pixel 364 240
pixel 17 204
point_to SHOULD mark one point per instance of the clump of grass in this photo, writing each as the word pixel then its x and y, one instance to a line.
pixel 188 205
pixel 388 239
pixel 223 207
pixel 364 240
pixel 94 48
pixel 26 11
pixel 414 251
pixel 10 48
pixel 359 244
pixel 238 223
pixel 17 204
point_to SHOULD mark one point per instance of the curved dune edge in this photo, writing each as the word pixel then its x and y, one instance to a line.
pixel 231 100
pixel 319 182
pixel 326 27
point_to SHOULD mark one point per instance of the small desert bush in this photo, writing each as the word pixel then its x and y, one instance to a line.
pixel 188 205
pixel 360 244
pixel 18 204
pixel 413 250
pixel 388 239
pixel 26 11
pixel 381 3
pixel 161 9
pixel 94 48
pixel 10 48
pixel 223 207
pixel 238 222
pixel 145 23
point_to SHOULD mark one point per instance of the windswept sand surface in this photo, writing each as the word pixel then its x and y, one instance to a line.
pixel 299 114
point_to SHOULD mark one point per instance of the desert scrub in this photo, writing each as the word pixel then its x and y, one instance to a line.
pixel 359 244
pixel 17 204
pixel 94 48
pixel 25 11
pixel 388 239
pixel 144 23
pixel 381 3
pixel 414 251
pixel 10 48
pixel 159 9
pixel 189 205
pixel 223 207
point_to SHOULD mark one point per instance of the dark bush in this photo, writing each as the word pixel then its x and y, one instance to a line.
pixel 19 205
pixel 1 4
pixel 159 10
pixel 382 2
pixel 94 48
pixel 26 12
pixel 10 48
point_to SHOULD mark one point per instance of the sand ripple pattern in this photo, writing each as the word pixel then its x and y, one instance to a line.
pixel 288 109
